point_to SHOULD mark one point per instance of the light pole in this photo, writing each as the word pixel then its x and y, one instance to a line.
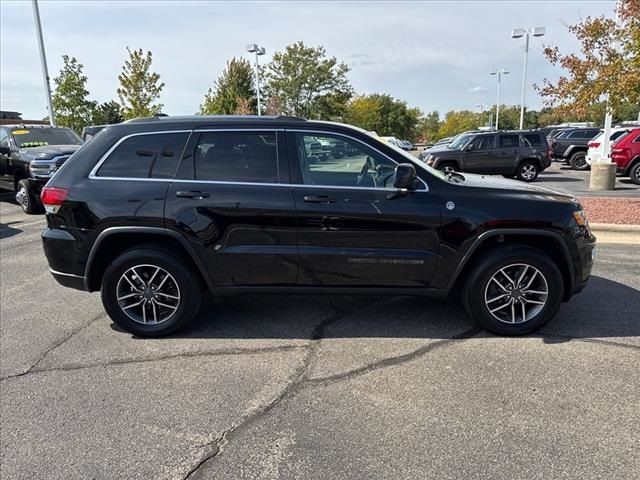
pixel 43 60
pixel 519 33
pixel 498 72
pixel 254 48
pixel 481 106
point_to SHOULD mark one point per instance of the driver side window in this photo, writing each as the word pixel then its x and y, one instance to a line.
pixel 338 161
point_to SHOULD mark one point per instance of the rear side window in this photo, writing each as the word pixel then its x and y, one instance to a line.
pixel 508 141
pixel 236 157
pixel 145 156
pixel 576 134
pixel 532 140
pixel 484 142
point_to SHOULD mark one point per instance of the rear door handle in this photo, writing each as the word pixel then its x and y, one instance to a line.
pixel 196 194
pixel 319 199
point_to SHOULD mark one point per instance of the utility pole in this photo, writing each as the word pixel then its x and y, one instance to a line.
pixel 499 72
pixel 519 33
pixel 254 48
pixel 43 60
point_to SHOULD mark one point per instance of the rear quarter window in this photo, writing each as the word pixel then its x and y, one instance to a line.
pixel 145 156
pixel 532 140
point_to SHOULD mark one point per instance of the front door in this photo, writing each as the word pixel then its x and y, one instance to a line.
pixel 351 231
pixel 232 200
pixel 507 153
pixel 480 155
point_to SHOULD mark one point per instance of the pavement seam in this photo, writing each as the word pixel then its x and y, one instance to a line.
pixel 210 353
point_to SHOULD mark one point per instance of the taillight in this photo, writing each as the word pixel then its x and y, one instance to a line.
pixel 53 197
pixel 594 144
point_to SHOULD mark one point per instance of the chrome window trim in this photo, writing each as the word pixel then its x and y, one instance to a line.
pixel 93 173
pixel 302 130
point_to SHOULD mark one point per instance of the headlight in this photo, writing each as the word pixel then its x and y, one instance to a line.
pixel 581 218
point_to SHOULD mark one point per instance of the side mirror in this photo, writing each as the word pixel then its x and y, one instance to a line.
pixel 405 177
pixel 5 151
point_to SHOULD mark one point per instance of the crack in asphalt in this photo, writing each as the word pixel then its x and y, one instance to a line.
pixel 392 361
pixel 59 343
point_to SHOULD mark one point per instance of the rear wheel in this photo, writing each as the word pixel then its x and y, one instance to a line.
pixel 150 292
pixel 513 291
pixel 634 173
pixel 26 198
pixel 578 161
pixel 527 171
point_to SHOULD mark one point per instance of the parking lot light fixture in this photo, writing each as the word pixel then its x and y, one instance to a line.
pixel 257 50
pixel 526 33
pixel 43 61
pixel 499 72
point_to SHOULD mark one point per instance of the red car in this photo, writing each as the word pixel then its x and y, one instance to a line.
pixel 626 155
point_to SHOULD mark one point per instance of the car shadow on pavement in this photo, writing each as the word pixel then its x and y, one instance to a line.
pixel 604 309
pixel 6 230
pixel 557 178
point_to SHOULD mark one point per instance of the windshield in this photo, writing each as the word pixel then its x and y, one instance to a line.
pixel 459 141
pixel 38 137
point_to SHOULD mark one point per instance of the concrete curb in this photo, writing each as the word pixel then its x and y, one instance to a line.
pixel 614 228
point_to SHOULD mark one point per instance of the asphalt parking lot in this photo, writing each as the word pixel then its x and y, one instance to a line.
pixel 283 387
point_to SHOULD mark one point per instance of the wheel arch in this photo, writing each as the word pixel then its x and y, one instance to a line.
pixel 634 161
pixel 548 242
pixel 113 241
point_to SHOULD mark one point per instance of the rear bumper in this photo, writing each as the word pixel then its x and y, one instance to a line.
pixel 60 248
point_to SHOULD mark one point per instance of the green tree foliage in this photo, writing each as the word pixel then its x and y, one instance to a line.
pixel 107 113
pixel 233 91
pixel 140 88
pixel 70 99
pixel 383 114
pixel 457 122
pixel 429 126
pixel 608 64
pixel 308 84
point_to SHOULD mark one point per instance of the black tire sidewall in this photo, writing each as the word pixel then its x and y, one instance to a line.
pixel 632 173
pixel 477 282
pixel 572 161
pixel 190 291
pixel 32 202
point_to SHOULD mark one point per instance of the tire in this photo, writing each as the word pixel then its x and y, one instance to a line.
pixel 578 161
pixel 25 197
pixel 481 293
pixel 528 171
pixel 634 173
pixel 181 283
pixel 510 177
pixel 448 167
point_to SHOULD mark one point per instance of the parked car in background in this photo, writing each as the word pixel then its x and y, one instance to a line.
pixel 155 212
pixel 625 153
pixel 520 154
pixel 572 145
pixel 29 156
pixel 407 145
pixel 596 144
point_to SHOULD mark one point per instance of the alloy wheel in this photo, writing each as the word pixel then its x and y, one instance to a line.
pixel 447 169
pixel 528 171
pixel 580 161
pixel 21 197
pixel 148 294
pixel 516 293
pixel 637 175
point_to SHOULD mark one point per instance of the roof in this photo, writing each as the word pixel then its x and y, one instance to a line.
pixel 207 119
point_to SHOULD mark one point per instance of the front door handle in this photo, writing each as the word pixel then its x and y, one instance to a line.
pixel 319 199
pixel 196 194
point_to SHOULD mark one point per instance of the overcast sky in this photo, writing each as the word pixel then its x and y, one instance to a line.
pixel 434 55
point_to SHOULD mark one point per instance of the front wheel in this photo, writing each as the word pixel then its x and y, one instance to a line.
pixel 447 167
pixel 150 292
pixel 514 290
pixel 527 171
pixel 27 199
pixel 578 161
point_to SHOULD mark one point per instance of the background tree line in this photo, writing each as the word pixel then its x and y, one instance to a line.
pixel 304 81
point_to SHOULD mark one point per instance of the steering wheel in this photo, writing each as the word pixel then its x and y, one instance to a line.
pixel 366 167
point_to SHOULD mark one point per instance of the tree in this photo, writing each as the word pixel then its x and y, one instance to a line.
pixel 233 89
pixel 307 84
pixel 458 122
pixel 609 64
pixel 429 126
pixel 107 113
pixel 140 88
pixel 70 100
pixel 383 114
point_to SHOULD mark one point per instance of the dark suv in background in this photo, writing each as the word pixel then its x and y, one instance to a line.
pixel 152 211
pixel 572 145
pixel 29 155
pixel 519 154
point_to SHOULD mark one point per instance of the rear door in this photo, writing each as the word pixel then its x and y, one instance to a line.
pixel 507 153
pixel 482 156
pixel 351 232
pixel 232 200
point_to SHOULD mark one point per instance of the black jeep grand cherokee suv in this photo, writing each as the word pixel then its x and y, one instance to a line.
pixel 152 210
